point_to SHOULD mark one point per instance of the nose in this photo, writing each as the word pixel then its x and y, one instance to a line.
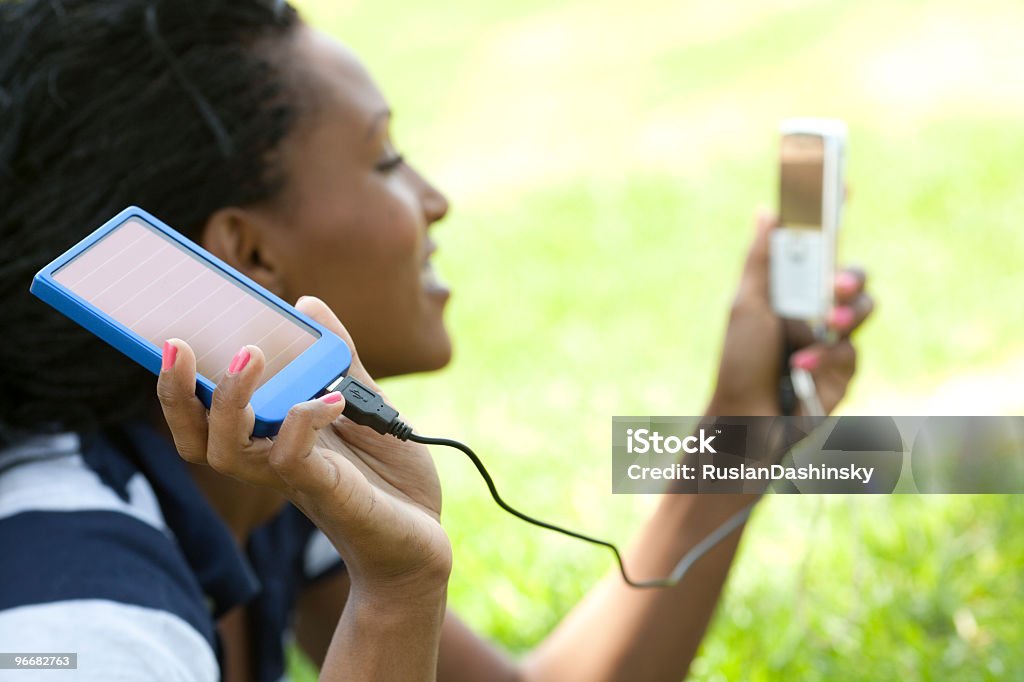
pixel 435 204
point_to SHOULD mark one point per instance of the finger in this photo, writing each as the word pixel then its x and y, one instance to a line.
pixel 839 356
pixel 844 319
pixel 231 416
pixel 292 457
pixel 807 358
pixel 319 311
pixel 755 279
pixel 849 283
pixel 798 334
pixel 184 412
pixel 820 357
pixel 831 366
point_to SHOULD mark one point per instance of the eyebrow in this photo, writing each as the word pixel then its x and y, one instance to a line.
pixel 378 118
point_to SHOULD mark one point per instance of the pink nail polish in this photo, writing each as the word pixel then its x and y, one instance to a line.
pixel 846 282
pixel 331 398
pixel 169 356
pixel 805 360
pixel 240 360
pixel 841 317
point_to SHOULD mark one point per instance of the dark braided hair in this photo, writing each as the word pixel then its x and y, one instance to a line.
pixel 177 106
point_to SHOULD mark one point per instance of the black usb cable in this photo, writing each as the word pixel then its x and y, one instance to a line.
pixel 364 406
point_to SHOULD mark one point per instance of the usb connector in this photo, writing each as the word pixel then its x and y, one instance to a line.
pixel 364 406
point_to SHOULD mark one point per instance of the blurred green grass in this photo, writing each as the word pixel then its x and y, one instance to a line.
pixel 604 160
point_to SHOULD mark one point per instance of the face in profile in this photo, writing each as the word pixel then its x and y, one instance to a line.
pixel 351 224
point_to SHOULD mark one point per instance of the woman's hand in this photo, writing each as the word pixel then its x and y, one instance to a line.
pixel 748 376
pixel 377 498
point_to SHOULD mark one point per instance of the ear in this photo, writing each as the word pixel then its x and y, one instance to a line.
pixel 242 239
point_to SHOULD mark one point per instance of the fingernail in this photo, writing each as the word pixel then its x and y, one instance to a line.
pixel 846 282
pixel 169 356
pixel 841 317
pixel 331 398
pixel 240 360
pixel 805 359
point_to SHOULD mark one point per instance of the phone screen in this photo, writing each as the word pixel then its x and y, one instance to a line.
pixel 159 289
pixel 801 176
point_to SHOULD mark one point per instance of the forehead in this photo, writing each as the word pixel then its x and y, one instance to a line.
pixel 341 86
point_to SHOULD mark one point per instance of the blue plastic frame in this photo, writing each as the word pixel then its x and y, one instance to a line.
pixel 303 378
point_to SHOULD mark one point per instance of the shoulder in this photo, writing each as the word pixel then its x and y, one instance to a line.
pixel 94 571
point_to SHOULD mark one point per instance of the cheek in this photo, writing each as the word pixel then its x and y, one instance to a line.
pixel 365 262
pixel 384 236
pixel 399 231
pixel 361 255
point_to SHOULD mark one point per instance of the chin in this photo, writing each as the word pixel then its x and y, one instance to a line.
pixel 429 355
pixel 432 356
pixel 442 356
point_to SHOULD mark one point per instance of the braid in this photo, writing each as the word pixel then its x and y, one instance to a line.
pixel 178 106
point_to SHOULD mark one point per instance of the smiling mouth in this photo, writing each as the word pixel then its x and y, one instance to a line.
pixel 430 281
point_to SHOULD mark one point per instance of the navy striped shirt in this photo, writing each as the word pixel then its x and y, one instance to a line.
pixel 108 549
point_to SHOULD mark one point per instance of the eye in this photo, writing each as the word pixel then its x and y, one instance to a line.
pixel 390 163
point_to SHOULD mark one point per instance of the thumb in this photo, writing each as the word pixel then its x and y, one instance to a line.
pixel 755 278
pixel 319 311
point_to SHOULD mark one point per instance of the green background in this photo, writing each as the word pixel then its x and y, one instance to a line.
pixel 604 161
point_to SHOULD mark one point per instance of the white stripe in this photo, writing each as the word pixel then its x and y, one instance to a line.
pixel 320 555
pixel 181 317
pixel 113 641
pixel 146 288
pixel 39 447
pixel 67 484
pixel 138 266
pixel 285 349
pixel 102 266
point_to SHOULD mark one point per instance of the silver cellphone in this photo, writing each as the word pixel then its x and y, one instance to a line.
pixel 812 159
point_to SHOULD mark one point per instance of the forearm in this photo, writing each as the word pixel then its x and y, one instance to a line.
pixel 625 633
pixel 649 634
pixel 391 636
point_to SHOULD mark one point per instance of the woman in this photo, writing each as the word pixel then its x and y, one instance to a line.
pixel 268 142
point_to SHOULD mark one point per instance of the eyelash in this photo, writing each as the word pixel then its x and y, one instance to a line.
pixel 391 163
